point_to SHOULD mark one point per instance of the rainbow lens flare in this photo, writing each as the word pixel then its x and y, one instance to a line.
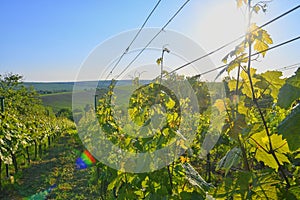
pixel 85 160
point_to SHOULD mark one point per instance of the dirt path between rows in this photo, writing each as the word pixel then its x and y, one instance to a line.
pixel 56 167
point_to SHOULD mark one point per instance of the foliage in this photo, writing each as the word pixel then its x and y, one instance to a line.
pixel 256 156
pixel 256 129
pixel 290 91
pixel 24 121
pixel 289 128
pixel 179 179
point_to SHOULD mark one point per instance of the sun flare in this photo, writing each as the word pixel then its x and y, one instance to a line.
pixel 221 23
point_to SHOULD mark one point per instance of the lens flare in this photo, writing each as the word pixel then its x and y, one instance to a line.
pixel 85 160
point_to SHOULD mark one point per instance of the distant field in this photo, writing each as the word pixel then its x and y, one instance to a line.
pixel 51 87
pixel 64 100
pixel 58 95
pixel 61 100
pixel 58 87
pixel 58 100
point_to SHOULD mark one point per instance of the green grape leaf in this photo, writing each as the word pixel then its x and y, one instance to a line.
pixel 145 182
pixel 293 193
pixel 261 39
pixel 242 109
pixel 170 104
pixel 290 91
pixel 266 37
pixel 243 181
pixel 246 85
pixel 280 146
pixel 266 158
pixel 243 58
pixel 256 9
pixel 264 187
pixel 237 126
pixel 158 61
pixel 289 128
pixel 189 195
pixel 232 84
pixel 274 82
pixel 261 46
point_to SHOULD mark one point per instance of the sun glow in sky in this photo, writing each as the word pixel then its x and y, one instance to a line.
pixel 49 40
pixel 220 23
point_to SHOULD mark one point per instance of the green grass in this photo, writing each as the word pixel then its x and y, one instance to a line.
pixel 55 87
pixel 58 95
pixel 58 101
pixel 57 166
pixel 62 100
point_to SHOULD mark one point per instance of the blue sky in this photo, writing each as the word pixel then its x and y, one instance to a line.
pixel 49 40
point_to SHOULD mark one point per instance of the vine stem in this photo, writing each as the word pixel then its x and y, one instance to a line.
pixel 245 159
pixel 170 178
pixel 208 168
pixel 246 164
pixel 126 182
pixel 271 151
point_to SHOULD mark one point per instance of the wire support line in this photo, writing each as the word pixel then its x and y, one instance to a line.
pixel 254 54
pixel 297 65
pixel 155 36
pixel 280 16
pixel 135 37
pixel 235 40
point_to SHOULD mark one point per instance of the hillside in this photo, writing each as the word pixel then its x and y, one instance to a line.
pixel 58 87
pixel 62 100
pixel 58 95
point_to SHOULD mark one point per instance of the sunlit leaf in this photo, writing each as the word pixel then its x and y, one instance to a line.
pixel 246 82
pixel 274 82
pixel 184 159
pixel 261 46
pixel 171 103
pixel 261 39
pixel 280 146
pixel 237 126
pixel 232 84
pixel 242 109
pixel 158 61
pixel 264 187
pixel 256 8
